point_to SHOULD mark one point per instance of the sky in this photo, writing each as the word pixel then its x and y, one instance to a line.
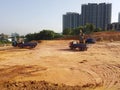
pixel 30 16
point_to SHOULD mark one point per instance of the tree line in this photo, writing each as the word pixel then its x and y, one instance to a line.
pixel 87 29
pixel 50 34
pixel 43 35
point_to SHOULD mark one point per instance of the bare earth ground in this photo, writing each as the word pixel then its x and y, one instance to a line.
pixel 97 68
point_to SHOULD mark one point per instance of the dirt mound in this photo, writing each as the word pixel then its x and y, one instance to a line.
pixel 99 36
pixel 41 85
pixel 106 36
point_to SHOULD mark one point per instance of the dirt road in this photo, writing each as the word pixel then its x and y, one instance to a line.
pixel 54 62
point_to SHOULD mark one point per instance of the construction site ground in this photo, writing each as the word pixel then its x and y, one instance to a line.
pixel 52 65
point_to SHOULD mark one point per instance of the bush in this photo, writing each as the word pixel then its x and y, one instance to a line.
pixel 43 35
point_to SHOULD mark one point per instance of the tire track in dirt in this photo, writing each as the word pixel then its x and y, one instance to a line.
pixel 94 77
pixel 104 74
pixel 110 74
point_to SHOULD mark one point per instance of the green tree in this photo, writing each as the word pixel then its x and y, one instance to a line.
pixel 57 35
pixel 46 35
pixel 43 35
pixel 67 31
pixel 29 37
pixel 76 31
pixel 97 30
pixel 89 28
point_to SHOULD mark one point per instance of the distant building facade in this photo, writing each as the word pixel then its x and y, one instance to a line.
pixel 97 14
pixel 89 14
pixel 71 20
pixel 14 36
pixel 119 17
pixel 93 13
pixel 3 36
pixel 114 26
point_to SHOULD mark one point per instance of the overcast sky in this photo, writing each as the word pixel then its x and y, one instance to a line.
pixel 28 16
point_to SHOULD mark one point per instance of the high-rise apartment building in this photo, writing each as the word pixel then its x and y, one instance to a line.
pixel 89 14
pixel 93 13
pixel 71 20
pixel 97 14
pixel 119 17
